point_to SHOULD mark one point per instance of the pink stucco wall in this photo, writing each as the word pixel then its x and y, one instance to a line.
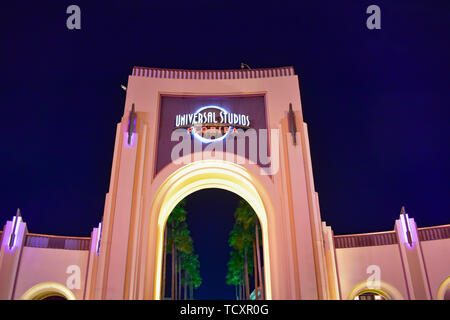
pixel 436 254
pixel 352 264
pixel 38 265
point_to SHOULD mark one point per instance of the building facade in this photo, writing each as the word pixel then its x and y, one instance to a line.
pixel 173 140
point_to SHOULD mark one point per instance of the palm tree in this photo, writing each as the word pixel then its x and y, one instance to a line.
pixel 177 216
pixel 192 279
pixel 241 241
pixel 184 245
pixel 196 281
pixel 185 264
pixel 234 275
pixel 245 238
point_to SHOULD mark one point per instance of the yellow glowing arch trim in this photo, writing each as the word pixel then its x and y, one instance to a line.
pixel 45 289
pixel 386 290
pixel 442 289
pixel 211 174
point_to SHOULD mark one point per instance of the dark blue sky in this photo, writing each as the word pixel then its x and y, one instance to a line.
pixel 377 102
pixel 210 220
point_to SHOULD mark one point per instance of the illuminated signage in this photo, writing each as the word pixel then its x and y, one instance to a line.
pixel 210 123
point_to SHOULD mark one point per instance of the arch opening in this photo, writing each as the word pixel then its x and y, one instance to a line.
pixel 218 254
pixel 444 290
pixel 48 291
pixel 384 291
pixel 206 174
pixel 371 294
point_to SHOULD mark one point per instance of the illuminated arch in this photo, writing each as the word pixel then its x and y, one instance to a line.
pixel 206 174
pixel 385 290
pixel 443 288
pixel 46 289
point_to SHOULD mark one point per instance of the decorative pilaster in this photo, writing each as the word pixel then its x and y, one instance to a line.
pixel 94 252
pixel 11 249
pixel 412 258
pixel 330 256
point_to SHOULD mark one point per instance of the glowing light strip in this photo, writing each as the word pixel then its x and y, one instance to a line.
pixel 14 232
pixel 204 140
pixel 406 228
pixel 99 234
pixel 133 138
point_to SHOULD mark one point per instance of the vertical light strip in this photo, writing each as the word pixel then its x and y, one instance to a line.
pixel 99 234
pixel 406 229
pixel 14 232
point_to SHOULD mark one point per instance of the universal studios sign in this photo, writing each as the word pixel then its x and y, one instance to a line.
pixel 212 123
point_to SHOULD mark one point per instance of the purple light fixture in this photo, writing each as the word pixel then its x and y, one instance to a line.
pixel 99 235
pixel 406 227
pixel 15 230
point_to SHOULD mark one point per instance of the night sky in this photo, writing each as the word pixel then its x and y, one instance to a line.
pixel 210 220
pixel 377 103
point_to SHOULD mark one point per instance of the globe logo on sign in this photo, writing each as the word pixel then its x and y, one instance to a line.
pixel 211 123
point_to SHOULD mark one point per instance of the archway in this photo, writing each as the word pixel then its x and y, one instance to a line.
pixel 206 174
pixel 48 291
pixel 217 254
pixel 372 294
pixel 444 290
pixel 384 290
